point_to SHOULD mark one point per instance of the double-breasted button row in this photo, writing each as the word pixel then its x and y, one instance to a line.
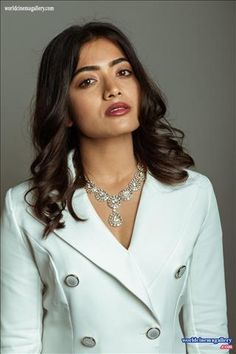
pixel 71 280
pixel 180 271
pixel 153 333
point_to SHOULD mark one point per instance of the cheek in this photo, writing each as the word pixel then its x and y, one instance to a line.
pixel 83 107
pixel 85 111
pixel 79 105
pixel 135 92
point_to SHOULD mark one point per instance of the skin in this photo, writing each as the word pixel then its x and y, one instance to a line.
pixel 105 142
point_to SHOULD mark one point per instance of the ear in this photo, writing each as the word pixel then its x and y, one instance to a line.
pixel 68 122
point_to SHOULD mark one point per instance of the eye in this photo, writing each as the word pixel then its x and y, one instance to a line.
pixel 125 72
pixel 86 83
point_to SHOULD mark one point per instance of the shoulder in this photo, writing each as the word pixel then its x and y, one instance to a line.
pixel 195 194
pixel 198 179
pixel 15 195
pixel 194 180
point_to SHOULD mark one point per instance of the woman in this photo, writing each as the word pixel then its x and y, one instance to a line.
pixel 113 234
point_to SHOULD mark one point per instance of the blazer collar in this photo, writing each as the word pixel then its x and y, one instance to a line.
pixel 134 268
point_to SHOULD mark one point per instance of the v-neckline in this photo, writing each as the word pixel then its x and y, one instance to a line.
pixel 112 237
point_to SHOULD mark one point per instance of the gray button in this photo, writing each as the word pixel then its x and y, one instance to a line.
pixel 72 280
pixel 180 272
pixel 88 342
pixel 153 333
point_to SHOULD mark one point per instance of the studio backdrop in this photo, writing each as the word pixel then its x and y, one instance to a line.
pixel 187 47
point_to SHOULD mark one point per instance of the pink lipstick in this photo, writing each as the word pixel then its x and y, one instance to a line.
pixel 118 109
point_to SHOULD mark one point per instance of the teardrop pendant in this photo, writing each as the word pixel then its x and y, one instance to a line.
pixel 114 201
pixel 115 219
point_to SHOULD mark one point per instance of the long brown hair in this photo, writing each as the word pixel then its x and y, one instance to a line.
pixel 157 144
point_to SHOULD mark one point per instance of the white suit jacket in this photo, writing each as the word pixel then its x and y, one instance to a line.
pixel 81 291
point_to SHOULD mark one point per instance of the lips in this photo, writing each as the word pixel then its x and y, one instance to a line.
pixel 117 109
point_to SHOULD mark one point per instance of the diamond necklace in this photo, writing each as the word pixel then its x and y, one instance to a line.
pixel 114 201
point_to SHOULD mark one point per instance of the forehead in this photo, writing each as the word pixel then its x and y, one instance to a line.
pixel 99 51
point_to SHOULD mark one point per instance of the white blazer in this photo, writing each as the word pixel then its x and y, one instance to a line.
pixel 81 291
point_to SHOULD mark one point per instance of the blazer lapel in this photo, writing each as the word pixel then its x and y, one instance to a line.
pixel 159 221
pixel 94 240
pixel 162 218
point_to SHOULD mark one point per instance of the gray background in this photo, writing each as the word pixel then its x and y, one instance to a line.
pixel 188 47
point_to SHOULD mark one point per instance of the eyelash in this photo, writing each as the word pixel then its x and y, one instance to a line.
pixel 83 85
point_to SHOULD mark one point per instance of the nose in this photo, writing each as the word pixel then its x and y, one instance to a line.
pixel 111 89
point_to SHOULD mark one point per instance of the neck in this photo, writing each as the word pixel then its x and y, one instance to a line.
pixel 108 161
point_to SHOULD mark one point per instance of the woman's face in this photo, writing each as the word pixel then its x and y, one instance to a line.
pixel 93 90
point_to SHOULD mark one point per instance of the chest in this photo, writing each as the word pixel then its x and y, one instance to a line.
pixel 128 212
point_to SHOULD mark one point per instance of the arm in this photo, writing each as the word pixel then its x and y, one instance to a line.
pixel 205 309
pixel 21 289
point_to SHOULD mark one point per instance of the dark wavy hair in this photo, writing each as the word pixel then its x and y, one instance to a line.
pixel 157 144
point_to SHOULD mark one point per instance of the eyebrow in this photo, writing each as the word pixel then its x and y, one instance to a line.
pixel 97 67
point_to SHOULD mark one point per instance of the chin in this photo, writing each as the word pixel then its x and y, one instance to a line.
pixel 115 131
pixel 124 132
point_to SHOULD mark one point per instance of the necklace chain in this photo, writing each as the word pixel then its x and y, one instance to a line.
pixel 114 201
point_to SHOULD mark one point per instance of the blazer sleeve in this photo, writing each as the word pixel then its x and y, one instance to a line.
pixel 205 308
pixel 21 289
